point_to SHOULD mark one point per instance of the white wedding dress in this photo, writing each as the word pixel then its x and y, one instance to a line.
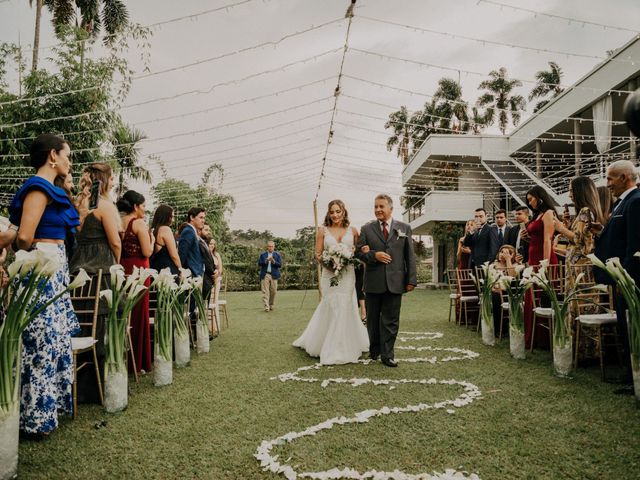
pixel 335 332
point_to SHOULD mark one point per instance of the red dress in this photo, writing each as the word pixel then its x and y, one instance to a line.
pixel 535 229
pixel 140 330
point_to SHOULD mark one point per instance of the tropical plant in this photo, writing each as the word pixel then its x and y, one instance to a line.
pixel 499 101
pixel 207 194
pixel 548 83
pixel 403 131
pixel 126 153
pixel 450 107
pixel 90 15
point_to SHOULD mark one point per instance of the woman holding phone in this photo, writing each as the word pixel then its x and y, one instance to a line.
pixel 98 247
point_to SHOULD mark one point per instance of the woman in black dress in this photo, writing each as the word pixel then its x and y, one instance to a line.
pixel 165 250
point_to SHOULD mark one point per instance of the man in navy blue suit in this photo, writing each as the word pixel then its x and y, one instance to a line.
pixel 189 246
pixel 621 238
pixel 270 263
pixel 483 242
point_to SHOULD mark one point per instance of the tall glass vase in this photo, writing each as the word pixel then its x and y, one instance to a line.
pixel 486 322
pixel 516 330
pixel 116 379
pixel 10 410
pixel 563 355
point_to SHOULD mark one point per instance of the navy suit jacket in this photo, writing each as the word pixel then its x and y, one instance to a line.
pixel 189 251
pixel 621 238
pixel 275 267
pixel 484 245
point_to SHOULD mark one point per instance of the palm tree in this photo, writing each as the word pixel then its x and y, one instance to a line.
pixel 498 100
pixel 127 154
pixel 424 123
pixel 477 121
pixel 450 106
pixel 548 83
pixel 36 35
pixel 93 15
pixel 402 133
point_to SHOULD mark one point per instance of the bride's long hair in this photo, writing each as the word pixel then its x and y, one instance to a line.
pixel 345 217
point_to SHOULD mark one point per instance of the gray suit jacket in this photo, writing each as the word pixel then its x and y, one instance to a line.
pixel 395 276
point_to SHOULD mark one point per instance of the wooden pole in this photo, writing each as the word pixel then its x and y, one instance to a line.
pixel 319 267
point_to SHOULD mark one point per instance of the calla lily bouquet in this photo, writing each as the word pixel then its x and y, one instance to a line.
pixel 561 320
pixel 631 293
pixel 199 299
pixel 180 297
pixel 29 275
pixel 516 288
pixel 485 288
pixel 123 295
pixel 167 289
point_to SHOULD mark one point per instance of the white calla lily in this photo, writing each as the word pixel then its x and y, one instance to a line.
pixel 80 279
pixel 108 296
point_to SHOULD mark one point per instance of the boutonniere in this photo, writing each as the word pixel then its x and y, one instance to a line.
pixel 401 234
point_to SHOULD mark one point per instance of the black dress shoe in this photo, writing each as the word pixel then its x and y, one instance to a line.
pixel 374 356
pixel 626 390
pixel 389 362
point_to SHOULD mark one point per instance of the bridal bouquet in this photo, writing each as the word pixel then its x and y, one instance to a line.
pixel 336 258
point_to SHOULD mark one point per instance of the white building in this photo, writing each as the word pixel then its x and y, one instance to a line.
pixel 579 131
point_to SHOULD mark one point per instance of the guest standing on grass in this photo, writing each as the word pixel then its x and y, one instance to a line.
pixel 97 247
pixel 189 247
pixel 270 263
pixel 43 214
pixel 165 249
pixel 620 238
pixel 137 247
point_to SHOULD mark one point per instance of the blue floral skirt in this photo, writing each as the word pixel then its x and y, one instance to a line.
pixel 47 359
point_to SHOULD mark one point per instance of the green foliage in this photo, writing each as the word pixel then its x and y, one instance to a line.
pixel 181 196
pixel 445 232
pixel 79 98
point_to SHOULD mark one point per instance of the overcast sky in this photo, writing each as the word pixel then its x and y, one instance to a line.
pixel 273 163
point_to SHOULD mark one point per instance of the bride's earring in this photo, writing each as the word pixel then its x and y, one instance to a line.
pixel 53 164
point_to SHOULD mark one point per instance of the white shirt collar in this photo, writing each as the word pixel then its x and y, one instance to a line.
pixel 625 193
pixel 388 222
pixel 195 230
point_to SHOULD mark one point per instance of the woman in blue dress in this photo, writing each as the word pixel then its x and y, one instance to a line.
pixel 44 215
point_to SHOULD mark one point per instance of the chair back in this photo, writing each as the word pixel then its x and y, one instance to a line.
pixel 589 302
pixel 466 284
pixel 555 273
pixel 153 302
pixel 452 281
pixel 86 302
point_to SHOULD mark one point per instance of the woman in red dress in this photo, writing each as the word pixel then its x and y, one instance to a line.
pixel 463 256
pixel 137 247
pixel 540 231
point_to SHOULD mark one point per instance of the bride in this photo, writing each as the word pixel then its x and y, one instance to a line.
pixel 335 332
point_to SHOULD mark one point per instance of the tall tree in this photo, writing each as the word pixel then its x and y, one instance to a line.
pixel 91 16
pixel 499 100
pixel 548 83
pixel 126 153
pixel 400 123
pixel 36 35
pixel 450 106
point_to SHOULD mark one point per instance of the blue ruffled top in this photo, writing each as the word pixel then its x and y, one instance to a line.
pixel 59 217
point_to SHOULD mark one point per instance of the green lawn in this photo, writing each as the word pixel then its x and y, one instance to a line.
pixel 209 423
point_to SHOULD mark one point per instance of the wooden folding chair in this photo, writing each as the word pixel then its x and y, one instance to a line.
pixel 543 314
pixel 595 317
pixel 468 294
pixel 86 304
pixel 453 290
pixel 221 303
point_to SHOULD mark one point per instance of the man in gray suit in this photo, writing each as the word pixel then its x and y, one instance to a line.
pixel 386 247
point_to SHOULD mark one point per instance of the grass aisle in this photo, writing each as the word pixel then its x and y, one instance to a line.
pixel 208 424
